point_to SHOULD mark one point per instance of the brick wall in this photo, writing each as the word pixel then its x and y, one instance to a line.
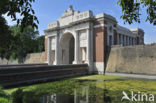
pixel 100 40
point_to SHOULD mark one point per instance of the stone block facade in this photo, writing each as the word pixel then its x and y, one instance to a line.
pixel 82 37
pixel 139 59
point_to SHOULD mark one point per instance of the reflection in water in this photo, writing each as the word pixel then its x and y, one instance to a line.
pixel 87 94
pixel 81 95
pixel 58 98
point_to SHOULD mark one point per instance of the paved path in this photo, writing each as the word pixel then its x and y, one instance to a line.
pixel 134 75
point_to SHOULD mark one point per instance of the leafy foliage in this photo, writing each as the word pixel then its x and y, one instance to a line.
pixel 4 100
pixel 5 38
pixel 17 96
pixel 12 8
pixel 131 10
pixel 3 96
pixel 22 7
pixel 40 44
pixel 25 42
pixel 20 96
pixel 34 98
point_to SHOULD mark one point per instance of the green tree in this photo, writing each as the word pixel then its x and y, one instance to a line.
pixel 11 8
pixel 40 44
pixel 24 42
pixel 5 39
pixel 131 10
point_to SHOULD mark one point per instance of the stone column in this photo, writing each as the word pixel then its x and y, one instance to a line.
pixel 125 41
pixel 118 39
pixel 49 51
pixel 121 39
pixel 76 48
pixel 134 41
pixel 128 40
pixel 88 46
pixel 56 50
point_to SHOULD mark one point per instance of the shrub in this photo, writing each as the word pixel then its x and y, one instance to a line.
pixel 17 96
pixel 4 100
pixel 1 92
pixel 30 97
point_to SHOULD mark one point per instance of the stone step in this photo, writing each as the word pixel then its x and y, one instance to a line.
pixel 7 70
pixel 33 73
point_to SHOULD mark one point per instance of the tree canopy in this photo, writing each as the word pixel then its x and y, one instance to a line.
pixel 12 8
pixel 24 42
pixel 21 7
pixel 131 10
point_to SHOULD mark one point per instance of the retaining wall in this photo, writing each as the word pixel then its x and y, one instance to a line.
pixel 140 59
pixel 25 75
pixel 30 58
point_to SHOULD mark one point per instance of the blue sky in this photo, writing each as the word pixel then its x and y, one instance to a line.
pixel 50 10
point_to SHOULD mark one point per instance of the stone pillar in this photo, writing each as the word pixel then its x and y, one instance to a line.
pixel 127 40
pixel 121 39
pixel 91 48
pixel 118 39
pixel 130 42
pixel 49 51
pixel 76 48
pixel 88 47
pixel 115 38
pixel 134 41
pixel 56 50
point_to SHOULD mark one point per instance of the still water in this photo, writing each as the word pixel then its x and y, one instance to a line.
pixel 96 91
pixel 81 95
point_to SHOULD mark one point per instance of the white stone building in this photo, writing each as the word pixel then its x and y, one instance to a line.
pixel 81 37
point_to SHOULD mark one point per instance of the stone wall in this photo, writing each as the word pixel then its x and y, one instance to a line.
pixel 27 75
pixel 139 59
pixel 30 59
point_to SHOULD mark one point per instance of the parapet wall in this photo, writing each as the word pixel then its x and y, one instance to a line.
pixel 140 59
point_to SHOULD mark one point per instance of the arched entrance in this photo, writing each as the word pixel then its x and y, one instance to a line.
pixel 67 48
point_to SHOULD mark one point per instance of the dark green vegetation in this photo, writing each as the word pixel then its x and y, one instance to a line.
pixel 4 98
pixel 12 8
pixel 131 10
pixel 99 88
pixel 25 42
pixel 22 43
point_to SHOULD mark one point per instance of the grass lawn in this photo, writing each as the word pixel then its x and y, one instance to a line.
pixel 64 83
pixel 98 77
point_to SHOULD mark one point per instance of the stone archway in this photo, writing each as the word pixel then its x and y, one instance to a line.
pixel 67 48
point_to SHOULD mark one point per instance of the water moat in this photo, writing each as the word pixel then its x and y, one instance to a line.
pixel 87 89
